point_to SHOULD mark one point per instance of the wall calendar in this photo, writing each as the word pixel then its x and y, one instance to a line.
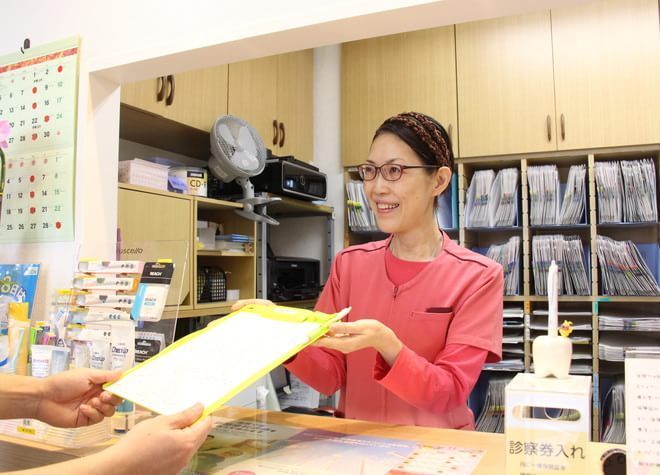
pixel 38 98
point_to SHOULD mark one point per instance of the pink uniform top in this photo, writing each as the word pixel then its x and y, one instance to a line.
pixel 448 316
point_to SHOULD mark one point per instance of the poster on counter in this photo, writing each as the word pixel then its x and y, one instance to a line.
pixel 251 447
pixel 38 100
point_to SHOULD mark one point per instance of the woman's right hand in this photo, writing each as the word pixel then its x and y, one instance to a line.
pixel 163 445
pixel 242 303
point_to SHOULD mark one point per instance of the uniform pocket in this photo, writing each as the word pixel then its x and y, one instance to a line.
pixel 426 332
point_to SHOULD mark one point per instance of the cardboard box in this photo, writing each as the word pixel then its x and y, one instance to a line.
pixel 538 440
pixel 144 173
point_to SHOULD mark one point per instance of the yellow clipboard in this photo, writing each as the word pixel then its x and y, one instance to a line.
pixel 216 363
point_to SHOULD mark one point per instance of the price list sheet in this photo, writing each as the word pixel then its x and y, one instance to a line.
pixel 38 98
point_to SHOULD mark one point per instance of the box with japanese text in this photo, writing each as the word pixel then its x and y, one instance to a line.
pixel 547 425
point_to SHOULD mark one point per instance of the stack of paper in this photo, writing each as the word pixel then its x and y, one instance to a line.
pixel 623 269
pixel 491 417
pixel 614 414
pixel 581 320
pixel 575 196
pixel 446 206
pixel 508 256
pixel 568 252
pixel 612 346
pixel 643 323
pixel 234 242
pixel 32 429
pixel 543 183
pixel 609 191
pixel 360 215
pixel 639 198
pixel 626 191
pixel 478 195
pixel 513 351
pixel 492 200
pixel 503 203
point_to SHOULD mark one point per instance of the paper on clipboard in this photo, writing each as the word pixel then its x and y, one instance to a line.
pixel 214 364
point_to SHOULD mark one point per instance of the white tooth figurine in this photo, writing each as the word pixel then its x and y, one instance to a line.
pixel 552 353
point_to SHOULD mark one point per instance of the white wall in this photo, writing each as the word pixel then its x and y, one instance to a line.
pixel 127 40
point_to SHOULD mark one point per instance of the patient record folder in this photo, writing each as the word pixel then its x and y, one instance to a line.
pixel 214 364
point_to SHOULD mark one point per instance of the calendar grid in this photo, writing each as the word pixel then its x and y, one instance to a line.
pixel 38 98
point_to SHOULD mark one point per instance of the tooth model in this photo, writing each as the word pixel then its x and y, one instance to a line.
pixel 552 353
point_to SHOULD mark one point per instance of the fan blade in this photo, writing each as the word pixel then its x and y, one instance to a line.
pixel 245 161
pixel 226 134
pixel 246 142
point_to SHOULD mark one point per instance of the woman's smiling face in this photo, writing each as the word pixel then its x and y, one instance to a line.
pixel 404 204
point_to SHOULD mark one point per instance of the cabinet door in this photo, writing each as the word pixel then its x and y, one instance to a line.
pixel 295 103
pixel 384 76
pixel 158 227
pixel 199 97
pixel 253 94
pixel 505 85
pixel 607 73
pixel 142 94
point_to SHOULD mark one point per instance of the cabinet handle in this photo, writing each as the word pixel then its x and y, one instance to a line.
pixel 170 97
pixel 275 131
pixel 563 127
pixel 282 134
pixel 450 129
pixel 160 85
pixel 549 126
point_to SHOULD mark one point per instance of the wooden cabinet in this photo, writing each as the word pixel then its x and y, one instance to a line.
pixel 607 73
pixel 578 77
pixel 274 94
pixel 384 76
pixel 157 224
pixel 197 98
pixel 505 86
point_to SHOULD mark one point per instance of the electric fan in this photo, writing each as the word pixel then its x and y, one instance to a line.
pixel 238 153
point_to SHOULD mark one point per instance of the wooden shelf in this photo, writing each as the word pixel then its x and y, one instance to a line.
pixel 213 204
pixel 150 129
pixel 154 191
pixel 293 208
pixel 562 298
pixel 213 253
pixel 621 298
pixel 201 310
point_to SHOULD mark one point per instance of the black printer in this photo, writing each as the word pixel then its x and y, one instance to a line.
pixel 287 176
pixel 293 278
pixel 282 176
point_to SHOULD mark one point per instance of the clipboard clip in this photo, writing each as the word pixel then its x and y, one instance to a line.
pixel 26 45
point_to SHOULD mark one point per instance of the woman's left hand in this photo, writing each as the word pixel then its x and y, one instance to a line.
pixel 367 333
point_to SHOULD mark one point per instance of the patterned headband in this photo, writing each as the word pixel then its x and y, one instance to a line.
pixel 429 131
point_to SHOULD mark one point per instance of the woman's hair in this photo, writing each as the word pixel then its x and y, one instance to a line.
pixel 423 134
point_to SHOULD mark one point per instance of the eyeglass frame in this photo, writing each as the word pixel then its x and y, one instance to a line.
pixel 378 170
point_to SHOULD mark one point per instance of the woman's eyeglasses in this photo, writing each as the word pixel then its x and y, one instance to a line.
pixel 389 171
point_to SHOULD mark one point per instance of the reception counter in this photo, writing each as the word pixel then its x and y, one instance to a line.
pixel 19 454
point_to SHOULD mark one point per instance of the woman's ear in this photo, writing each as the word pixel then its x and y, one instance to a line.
pixel 442 180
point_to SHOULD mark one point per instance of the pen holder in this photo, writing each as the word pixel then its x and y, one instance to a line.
pixel 552 356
